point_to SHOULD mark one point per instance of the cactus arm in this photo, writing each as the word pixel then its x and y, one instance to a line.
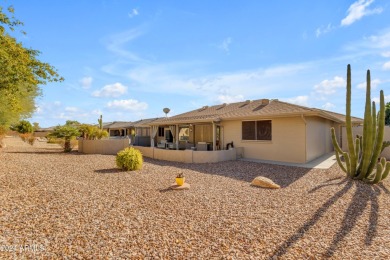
pixel 378 175
pixel 386 171
pixel 351 148
pixel 379 137
pixel 340 163
pixel 374 122
pixel 357 151
pixel 334 141
pixel 348 164
pixel 337 150
pixel 368 131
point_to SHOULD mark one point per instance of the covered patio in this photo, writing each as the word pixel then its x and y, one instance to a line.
pixel 188 135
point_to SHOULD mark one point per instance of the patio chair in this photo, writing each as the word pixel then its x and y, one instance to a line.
pixel 162 144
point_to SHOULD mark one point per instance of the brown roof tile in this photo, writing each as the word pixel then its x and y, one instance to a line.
pixel 249 109
pixel 118 124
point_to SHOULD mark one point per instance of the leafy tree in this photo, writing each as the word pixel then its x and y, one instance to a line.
pixel 21 73
pixel 67 133
pixel 72 122
pixel 35 126
pixel 387 113
pixel 23 127
pixel 91 132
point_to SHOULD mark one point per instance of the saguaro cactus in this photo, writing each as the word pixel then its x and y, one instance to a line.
pixel 100 120
pixel 363 153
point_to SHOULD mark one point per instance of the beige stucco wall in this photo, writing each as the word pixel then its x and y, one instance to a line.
pixel 288 141
pixel 359 130
pixel 188 156
pixel 104 146
pixel 318 137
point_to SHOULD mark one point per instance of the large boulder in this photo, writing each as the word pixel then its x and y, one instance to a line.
pixel 264 182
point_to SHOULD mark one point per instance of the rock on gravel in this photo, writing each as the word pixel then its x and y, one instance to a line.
pixel 77 206
pixel 264 182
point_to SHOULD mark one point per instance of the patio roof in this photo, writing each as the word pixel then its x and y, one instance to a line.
pixel 144 122
pixel 117 124
pixel 263 108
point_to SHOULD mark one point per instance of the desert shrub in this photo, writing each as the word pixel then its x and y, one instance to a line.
pixel 28 138
pixel 31 140
pixel 24 136
pixel 51 139
pixel 129 159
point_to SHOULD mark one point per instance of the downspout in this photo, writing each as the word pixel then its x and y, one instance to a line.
pixel 304 121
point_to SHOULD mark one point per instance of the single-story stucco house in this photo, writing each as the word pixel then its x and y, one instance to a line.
pixel 118 128
pixel 261 129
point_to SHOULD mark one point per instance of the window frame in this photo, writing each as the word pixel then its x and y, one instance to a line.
pixel 255 131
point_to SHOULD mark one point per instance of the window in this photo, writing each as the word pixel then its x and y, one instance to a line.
pixel 161 131
pixel 257 130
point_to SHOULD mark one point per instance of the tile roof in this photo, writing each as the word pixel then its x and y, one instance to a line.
pixel 118 124
pixel 250 109
pixel 125 124
pixel 144 122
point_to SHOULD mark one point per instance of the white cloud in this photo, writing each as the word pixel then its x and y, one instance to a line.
pixel 163 78
pixel 328 106
pixel 386 54
pixel 117 44
pixel 376 99
pixel 86 82
pixel 127 104
pixel 71 109
pixel 323 30
pixel 225 45
pixel 57 103
pixel 133 13
pixel 381 40
pixel 386 66
pixel 374 84
pixel 299 100
pixel 230 99
pixel 111 90
pixel 358 10
pixel 328 87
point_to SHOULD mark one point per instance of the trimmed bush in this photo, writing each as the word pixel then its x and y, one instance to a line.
pixel 129 159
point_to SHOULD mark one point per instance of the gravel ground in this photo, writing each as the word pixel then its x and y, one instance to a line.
pixel 56 205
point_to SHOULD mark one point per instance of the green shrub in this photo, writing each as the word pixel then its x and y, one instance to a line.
pixel 23 127
pixel 129 159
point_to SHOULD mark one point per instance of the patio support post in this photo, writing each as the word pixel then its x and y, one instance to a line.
pixel 154 130
pixel 177 137
pixel 214 137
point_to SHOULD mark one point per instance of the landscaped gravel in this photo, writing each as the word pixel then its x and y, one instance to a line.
pixel 56 205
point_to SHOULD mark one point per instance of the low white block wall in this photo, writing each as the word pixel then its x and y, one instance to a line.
pixel 358 130
pixel 188 156
pixel 104 146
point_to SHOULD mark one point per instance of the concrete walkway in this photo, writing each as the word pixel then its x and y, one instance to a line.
pixel 323 162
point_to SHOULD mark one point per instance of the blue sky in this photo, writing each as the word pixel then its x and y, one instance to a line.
pixel 128 60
